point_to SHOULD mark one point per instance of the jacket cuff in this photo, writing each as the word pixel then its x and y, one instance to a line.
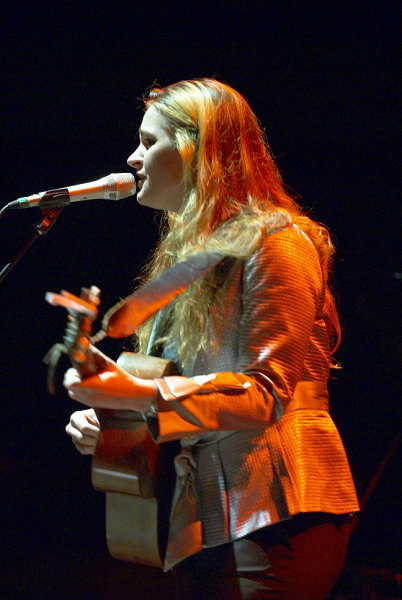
pixel 182 411
pixel 176 387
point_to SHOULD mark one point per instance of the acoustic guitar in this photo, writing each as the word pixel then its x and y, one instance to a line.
pixel 126 458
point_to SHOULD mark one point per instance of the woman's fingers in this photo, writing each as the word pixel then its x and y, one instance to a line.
pixel 84 428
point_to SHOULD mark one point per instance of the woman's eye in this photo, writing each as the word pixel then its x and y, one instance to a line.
pixel 148 142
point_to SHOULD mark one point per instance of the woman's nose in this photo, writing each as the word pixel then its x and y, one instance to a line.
pixel 135 160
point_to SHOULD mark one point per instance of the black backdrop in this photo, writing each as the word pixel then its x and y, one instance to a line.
pixel 322 79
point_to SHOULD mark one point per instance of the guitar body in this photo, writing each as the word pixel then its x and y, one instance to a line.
pixel 124 467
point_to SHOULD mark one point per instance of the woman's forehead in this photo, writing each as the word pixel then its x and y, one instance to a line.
pixel 153 121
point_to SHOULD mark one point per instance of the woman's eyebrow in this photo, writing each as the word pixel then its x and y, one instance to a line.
pixel 144 132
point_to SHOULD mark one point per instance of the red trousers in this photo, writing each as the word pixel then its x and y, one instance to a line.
pixel 299 559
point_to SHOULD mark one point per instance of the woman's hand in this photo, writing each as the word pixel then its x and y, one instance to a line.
pixel 111 387
pixel 84 429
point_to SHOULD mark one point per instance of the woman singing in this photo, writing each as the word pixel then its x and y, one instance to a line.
pixel 268 512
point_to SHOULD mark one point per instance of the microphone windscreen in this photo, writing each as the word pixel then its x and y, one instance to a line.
pixel 122 185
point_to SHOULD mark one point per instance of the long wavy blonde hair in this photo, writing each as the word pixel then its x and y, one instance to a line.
pixel 234 196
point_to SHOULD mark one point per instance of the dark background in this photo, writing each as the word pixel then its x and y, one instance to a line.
pixel 322 78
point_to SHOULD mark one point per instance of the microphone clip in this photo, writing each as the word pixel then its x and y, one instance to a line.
pixel 49 216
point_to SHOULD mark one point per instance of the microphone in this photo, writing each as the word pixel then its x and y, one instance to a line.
pixel 112 187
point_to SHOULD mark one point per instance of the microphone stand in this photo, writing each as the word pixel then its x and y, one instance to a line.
pixel 49 216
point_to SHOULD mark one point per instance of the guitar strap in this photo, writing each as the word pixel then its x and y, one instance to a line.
pixel 126 316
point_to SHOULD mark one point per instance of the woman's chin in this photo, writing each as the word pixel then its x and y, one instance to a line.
pixel 140 198
pixel 144 201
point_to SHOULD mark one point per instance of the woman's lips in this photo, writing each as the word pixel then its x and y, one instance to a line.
pixel 140 182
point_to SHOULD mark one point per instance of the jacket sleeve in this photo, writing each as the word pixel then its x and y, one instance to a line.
pixel 282 287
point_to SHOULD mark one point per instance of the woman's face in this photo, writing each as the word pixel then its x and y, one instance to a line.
pixel 158 165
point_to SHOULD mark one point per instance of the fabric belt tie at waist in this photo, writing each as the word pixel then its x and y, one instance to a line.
pixel 185 535
pixel 185 532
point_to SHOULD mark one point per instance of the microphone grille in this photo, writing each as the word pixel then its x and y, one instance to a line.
pixel 120 185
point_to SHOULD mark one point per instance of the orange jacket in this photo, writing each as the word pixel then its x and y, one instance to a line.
pixel 252 414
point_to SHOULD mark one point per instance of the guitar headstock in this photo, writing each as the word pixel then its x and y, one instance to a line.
pixel 83 311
